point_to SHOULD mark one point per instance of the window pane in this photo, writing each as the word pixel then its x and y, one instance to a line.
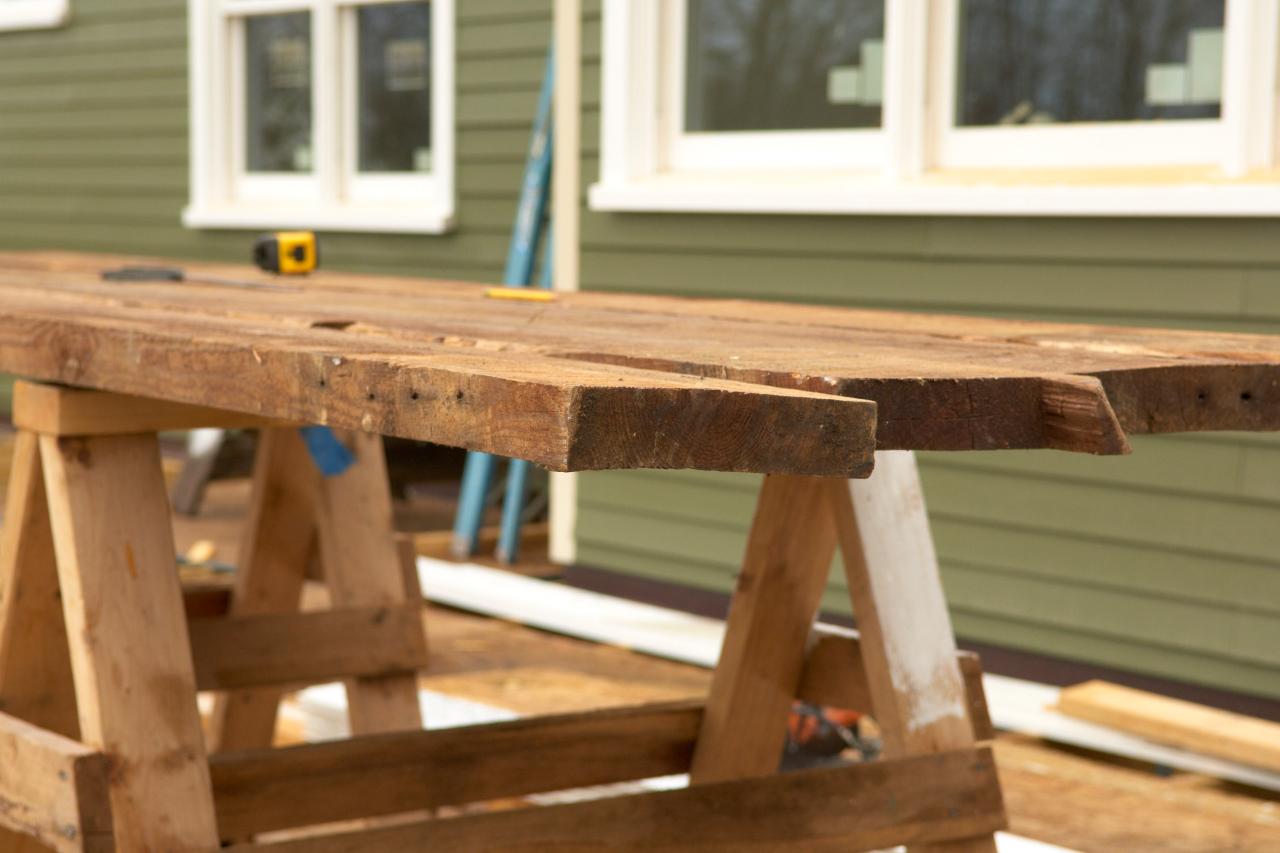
pixel 784 64
pixel 395 87
pixel 1039 61
pixel 278 96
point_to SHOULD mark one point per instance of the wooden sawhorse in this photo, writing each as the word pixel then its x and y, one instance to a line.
pixel 99 734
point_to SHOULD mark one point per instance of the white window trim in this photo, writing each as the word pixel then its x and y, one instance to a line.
pixel 34 14
pixel 1244 180
pixel 334 197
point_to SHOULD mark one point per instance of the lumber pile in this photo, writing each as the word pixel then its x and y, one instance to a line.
pixel 1174 722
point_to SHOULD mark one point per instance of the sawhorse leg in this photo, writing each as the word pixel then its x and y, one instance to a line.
pixel 347 521
pixel 134 680
pixel 915 684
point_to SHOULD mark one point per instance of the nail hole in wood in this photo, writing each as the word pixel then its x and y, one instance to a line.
pixel 1246 396
pixel 322 383
pixel 1202 396
pixel 458 395
pixel 413 395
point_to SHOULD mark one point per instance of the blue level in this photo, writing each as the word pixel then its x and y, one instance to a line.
pixel 531 229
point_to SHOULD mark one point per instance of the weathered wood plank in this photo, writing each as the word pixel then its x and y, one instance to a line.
pixel 306 648
pixel 861 807
pixel 1163 719
pixel 373 775
pixel 53 789
pixel 565 414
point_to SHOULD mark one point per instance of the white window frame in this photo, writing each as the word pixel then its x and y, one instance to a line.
pixel 334 196
pixel 33 14
pixel 1228 166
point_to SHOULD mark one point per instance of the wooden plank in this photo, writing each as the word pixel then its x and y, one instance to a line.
pixel 1175 722
pixel 128 637
pixel 53 789
pixel 57 410
pixel 278 540
pixel 835 674
pixel 861 807
pixel 262 790
pixel 306 648
pixel 908 647
pixel 561 413
pixel 365 567
pixel 784 573
pixel 985 383
pixel 35 666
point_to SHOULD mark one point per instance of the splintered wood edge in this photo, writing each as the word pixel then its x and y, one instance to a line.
pixel 1079 417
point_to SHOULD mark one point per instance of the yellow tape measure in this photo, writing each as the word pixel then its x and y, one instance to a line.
pixel 520 294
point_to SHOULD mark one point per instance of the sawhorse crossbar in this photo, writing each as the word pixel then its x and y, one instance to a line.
pixel 101 741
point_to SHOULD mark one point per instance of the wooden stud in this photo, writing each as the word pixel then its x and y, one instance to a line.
pixel 35 666
pixel 60 410
pixel 835 674
pixel 364 567
pixel 908 648
pixel 54 790
pixel 128 637
pixel 860 807
pixel 373 775
pixel 279 539
pixel 306 648
pixel 783 575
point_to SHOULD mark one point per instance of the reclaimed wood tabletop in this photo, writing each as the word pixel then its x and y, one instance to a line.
pixel 596 380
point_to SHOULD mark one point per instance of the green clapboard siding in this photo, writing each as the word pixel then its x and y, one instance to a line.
pixel 93 140
pixel 1166 562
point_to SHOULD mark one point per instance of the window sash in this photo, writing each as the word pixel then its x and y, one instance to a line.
pixel 33 14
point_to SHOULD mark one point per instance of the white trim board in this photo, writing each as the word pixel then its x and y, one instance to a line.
pixel 1014 704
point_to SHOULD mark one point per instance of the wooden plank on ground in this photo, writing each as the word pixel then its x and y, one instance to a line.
pixel 835 674
pixel 1175 722
pixel 128 637
pixel 306 648
pixel 56 410
pixel 263 790
pixel 861 807
pixel 53 789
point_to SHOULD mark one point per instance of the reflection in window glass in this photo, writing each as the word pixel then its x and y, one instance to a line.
pixel 1043 61
pixel 784 64
pixel 278 92
pixel 395 87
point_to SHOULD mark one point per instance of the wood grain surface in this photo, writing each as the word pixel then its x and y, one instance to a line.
pixel 593 380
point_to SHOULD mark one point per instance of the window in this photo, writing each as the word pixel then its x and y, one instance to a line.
pixel 1122 107
pixel 33 14
pixel 327 114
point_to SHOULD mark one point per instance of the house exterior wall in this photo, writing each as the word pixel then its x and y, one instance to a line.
pixel 1166 562
pixel 93 140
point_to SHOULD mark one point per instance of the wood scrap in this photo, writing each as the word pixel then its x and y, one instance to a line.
pixel 1176 722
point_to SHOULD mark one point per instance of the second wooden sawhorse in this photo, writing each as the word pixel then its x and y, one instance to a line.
pixel 100 663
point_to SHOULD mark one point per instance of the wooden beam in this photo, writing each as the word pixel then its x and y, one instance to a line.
pixel 60 410
pixel 1175 722
pixel 53 789
pixel 562 413
pixel 277 541
pixel 373 775
pixel 306 648
pixel 128 636
pixel 835 674
pixel 908 648
pixel 860 807
pixel 784 573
